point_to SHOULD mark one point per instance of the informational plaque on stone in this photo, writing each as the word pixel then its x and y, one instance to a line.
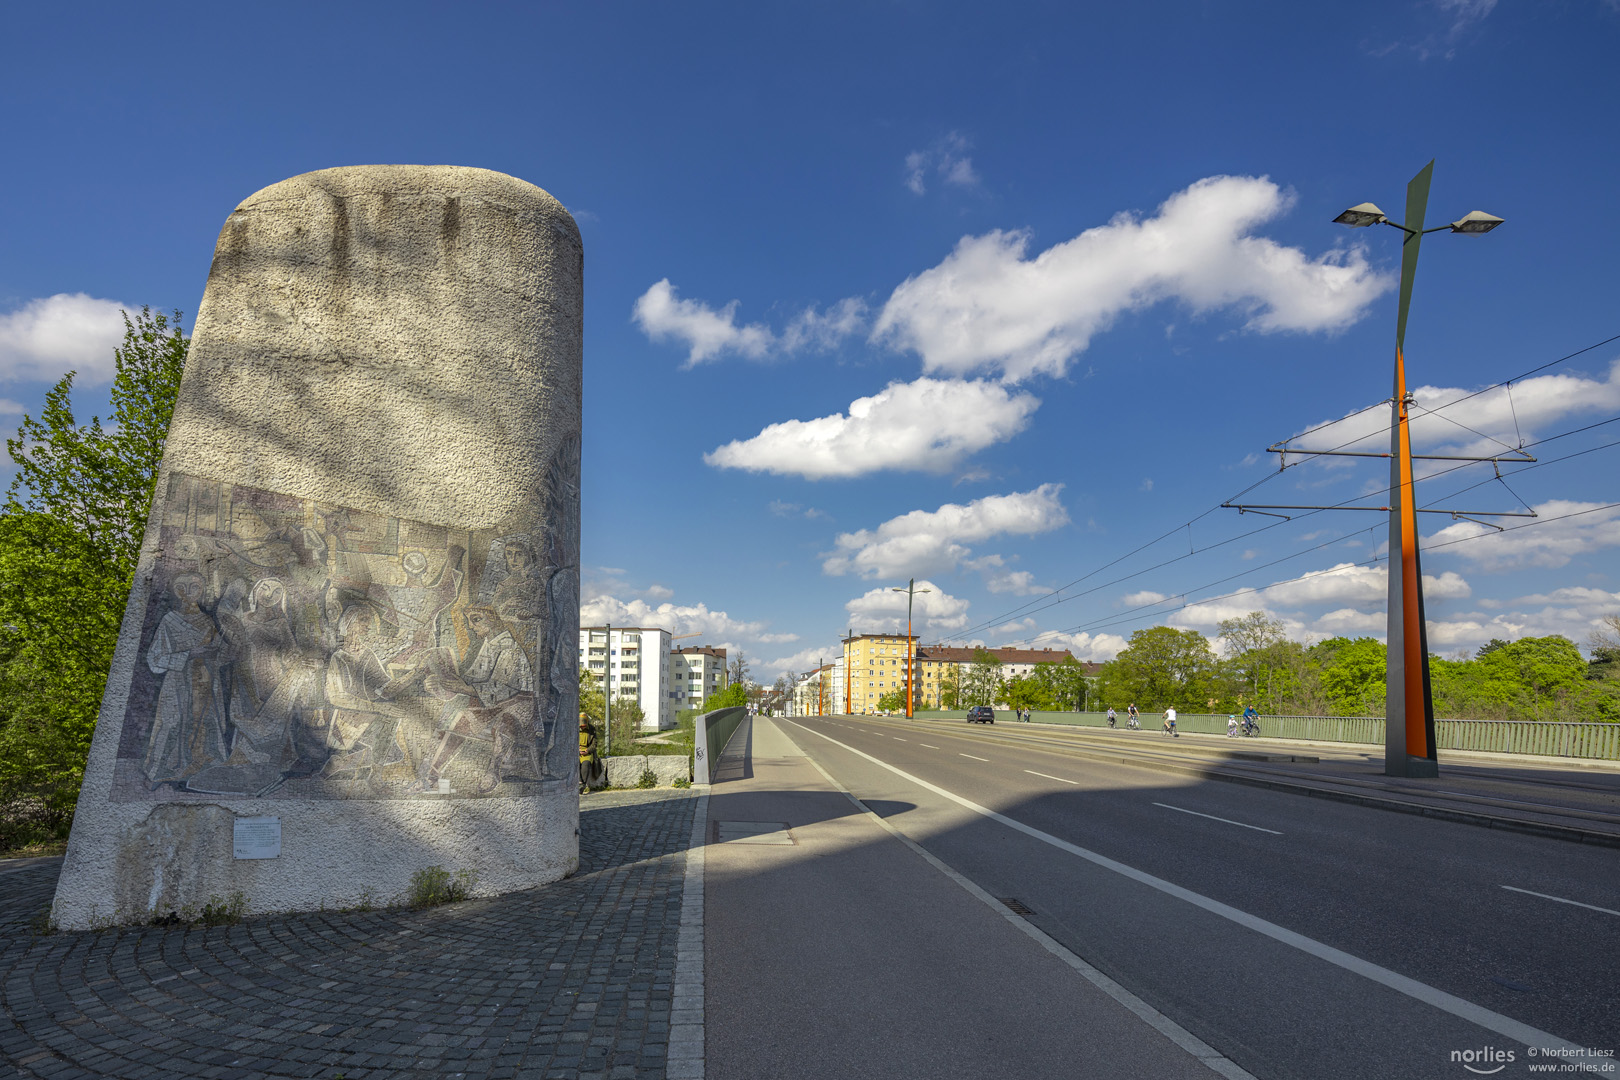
pixel 257 838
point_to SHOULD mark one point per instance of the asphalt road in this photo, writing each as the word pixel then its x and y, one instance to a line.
pixel 1390 897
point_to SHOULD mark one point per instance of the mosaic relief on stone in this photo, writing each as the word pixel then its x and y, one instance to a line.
pixel 295 649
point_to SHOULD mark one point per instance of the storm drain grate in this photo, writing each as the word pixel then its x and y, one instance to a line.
pixel 1017 907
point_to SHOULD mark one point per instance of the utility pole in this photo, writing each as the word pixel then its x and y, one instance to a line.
pixel 821 687
pixel 607 695
pixel 849 673
pixel 911 592
pixel 1409 746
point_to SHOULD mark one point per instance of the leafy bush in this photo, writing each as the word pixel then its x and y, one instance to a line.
pixel 648 779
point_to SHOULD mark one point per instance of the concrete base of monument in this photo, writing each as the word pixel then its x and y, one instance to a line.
pixel 287 856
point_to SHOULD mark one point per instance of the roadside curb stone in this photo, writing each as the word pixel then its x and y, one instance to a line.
pixel 566 981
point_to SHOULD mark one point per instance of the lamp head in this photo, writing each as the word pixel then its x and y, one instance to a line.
pixel 1359 217
pixel 1475 222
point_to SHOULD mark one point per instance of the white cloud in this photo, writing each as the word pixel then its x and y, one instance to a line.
pixel 1143 598
pixel 1348 622
pixel 777 639
pixel 935 541
pixel 934 612
pixel 710 333
pixel 948 159
pixel 707 332
pixel 659 592
pixel 928 425
pixel 1504 415
pixel 1095 647
pixel 792 509
pixel 815 330
pixel 1016 582
pixel 988 307
pixel 45 339
pixel 805 659
pixel 1552 544
pixel 676 618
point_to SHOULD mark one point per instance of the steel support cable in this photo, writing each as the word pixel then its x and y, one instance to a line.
pixel 1528 468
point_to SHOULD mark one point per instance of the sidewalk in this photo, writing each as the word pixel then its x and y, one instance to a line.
pixel 569 981
pixel 833 949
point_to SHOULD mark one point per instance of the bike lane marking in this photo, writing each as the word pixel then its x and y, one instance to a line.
pixel 1462 1008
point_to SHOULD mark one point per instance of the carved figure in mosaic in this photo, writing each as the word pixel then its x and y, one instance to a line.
pixel 188 730
pixel 363 721
pixel 415 606
pixel 492 699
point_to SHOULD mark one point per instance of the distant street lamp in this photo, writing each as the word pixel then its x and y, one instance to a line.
pixel 911 592
pixel 1409 748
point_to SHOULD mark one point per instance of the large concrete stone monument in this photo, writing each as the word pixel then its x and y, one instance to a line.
pixel 350 649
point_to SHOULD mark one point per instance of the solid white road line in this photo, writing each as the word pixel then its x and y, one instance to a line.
pixel 1450 1003
pixel 1561 900
pixel 974 758
pixel 1059 779
pixel 1210 1057
pixel 1212 817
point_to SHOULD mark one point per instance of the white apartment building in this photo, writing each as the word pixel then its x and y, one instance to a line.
pixel 630 662
pixel 696 671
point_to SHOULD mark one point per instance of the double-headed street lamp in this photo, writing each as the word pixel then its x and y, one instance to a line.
pixel 911 592
pixel 1409 748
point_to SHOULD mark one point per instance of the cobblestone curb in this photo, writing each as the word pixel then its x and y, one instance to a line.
pixel 572 981
pixel 686 1010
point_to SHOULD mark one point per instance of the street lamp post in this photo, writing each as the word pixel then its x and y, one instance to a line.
pixel 911 592
pixel 1409 748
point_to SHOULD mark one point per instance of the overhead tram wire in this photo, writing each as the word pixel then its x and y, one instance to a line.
pixel 1028 606
pixel 1300 517
pixel 1134 615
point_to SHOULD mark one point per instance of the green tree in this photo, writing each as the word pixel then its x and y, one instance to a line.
pixel 892 701
pixel 732 696
pixel 1063 683
pixel 626 725
pixel 1252 656
pixel 1353 673
pixel 950 686
pixel 591 698
pixel 981 682
pixel 1162 667
pixel 1605 648
pixel 1026 692
pixel 70 535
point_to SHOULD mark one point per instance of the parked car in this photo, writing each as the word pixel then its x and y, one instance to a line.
pixel 981 714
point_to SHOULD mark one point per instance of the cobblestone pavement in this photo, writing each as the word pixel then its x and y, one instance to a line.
pixel 571 980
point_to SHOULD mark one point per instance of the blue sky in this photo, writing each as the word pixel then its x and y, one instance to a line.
pixel 881 291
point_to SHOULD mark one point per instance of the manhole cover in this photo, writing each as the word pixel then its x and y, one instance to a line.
pixel 753 832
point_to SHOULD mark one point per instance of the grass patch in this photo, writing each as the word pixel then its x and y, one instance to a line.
pixel 434 885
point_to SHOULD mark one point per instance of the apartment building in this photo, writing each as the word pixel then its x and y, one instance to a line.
pixel 874 665
pixel 934 660
pixel 695 672
pixel 631 661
